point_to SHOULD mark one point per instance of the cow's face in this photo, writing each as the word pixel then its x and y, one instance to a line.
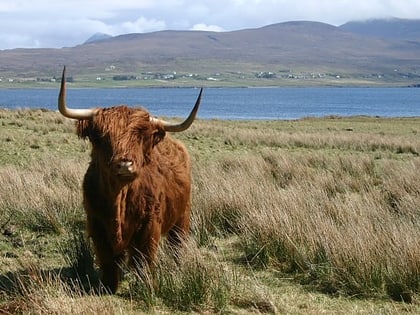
pixel 122 140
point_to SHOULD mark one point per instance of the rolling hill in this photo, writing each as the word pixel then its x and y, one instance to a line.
pixel 392 28
pixel 294 47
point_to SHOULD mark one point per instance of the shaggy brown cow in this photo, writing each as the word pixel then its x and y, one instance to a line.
pixel 137 186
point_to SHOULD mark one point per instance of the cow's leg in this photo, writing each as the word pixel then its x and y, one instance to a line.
pixel 180 231
pixel 145 244
pixel 111 273
pixel 144 250
pixel 108 262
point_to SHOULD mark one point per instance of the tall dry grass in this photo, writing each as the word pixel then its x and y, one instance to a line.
pixel 346 224
pixel 44 197
pixel 333 208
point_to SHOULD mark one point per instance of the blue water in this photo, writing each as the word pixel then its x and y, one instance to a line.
pixel 233 103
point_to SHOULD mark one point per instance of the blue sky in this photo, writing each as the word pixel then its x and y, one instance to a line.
pixel 60 23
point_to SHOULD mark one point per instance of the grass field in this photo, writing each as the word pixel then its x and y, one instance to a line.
pixel 313 216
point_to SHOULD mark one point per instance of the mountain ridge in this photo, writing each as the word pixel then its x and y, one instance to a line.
pixel 97 37
pixel 300 46
pixel 391 28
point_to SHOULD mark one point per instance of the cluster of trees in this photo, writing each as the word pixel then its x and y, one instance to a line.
pixel 54 79
pixel 124 77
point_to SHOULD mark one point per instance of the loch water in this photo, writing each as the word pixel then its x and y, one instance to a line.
pixel 232 103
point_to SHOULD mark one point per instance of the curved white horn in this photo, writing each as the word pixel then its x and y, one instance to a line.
pixel 81 114
pixel 172 127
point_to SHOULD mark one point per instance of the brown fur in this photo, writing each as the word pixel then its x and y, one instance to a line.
pixel 128 216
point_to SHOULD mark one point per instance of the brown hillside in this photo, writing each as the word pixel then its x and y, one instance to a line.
pixel 308 46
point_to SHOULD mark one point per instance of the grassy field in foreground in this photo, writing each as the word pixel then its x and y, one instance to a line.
pixel 289 217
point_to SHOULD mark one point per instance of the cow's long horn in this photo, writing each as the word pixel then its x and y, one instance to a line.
pixel 81 114
pixel 171 127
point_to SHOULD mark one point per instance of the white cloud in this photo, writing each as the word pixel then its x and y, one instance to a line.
pixel 141 25
pixel 46 23
pixel 205 27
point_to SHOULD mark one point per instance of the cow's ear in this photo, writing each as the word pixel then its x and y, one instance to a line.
pixel 158 135
pixel 83 128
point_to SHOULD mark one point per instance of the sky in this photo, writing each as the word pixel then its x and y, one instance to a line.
pixel 66 23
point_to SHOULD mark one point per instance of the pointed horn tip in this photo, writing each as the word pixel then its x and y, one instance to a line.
pixel 179 127
pixel 197 103
pixel 194 111
pixel 187 122
pixel 201 92
pixel 81 114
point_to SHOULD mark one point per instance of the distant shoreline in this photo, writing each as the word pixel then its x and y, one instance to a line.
pixel 265 85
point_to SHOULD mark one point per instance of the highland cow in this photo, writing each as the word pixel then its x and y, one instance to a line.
pixel 137 187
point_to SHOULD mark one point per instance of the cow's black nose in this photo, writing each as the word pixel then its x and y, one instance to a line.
pixel 124 167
